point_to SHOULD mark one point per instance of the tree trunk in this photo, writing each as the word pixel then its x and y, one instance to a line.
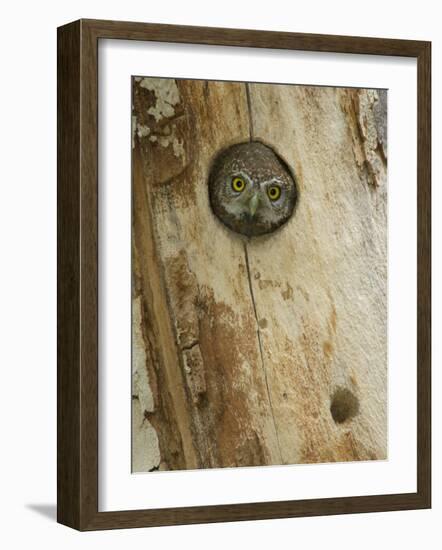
pixel 269 350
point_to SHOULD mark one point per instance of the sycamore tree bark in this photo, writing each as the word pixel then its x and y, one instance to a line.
pixel 269 350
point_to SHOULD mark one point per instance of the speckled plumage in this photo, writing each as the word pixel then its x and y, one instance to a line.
pixel 251 212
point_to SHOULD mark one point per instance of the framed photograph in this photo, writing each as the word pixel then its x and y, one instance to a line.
pixel 243 275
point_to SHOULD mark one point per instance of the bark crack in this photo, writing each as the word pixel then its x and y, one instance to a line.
pixel 249 110
pixel 190 346
pixel 261 354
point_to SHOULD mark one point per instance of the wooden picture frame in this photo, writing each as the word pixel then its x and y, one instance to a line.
pixel 77 459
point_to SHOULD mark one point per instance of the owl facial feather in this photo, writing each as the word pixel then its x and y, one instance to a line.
pixel 251 211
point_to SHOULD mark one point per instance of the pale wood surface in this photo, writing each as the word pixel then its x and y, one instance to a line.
pixel 240 345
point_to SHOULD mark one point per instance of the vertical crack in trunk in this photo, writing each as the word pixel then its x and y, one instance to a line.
pixel 258 333
pixel 249 110
pixel 252 295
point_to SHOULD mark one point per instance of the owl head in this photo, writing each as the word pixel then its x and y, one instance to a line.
pixel 251 189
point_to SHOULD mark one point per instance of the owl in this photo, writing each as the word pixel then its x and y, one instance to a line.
pixel 251 189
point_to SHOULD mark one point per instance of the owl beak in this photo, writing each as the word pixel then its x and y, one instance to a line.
pixel 253 205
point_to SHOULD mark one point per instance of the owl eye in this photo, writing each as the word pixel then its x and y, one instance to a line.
pixel 238 184
pixel 274 192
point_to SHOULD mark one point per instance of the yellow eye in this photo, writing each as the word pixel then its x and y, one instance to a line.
pixel 274 192
pixel 238 184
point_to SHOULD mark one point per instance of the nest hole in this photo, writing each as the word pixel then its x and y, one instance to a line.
pixel 344 405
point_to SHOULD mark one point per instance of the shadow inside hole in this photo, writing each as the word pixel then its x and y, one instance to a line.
pixel 344 405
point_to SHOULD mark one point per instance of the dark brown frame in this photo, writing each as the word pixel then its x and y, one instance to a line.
pixel 77 462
